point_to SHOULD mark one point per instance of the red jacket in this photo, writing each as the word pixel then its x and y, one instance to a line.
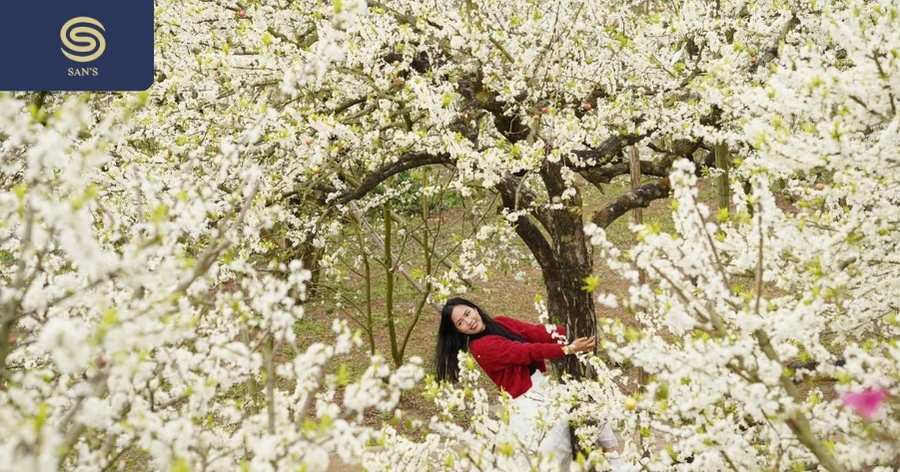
pixel 507 362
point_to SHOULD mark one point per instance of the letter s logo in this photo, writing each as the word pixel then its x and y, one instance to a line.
pixel 83 36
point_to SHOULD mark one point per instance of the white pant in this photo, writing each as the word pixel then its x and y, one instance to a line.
pixel 530 406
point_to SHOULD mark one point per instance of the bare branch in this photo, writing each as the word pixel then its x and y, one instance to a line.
pixel 637 198
pixel 605 174
pixel 373 235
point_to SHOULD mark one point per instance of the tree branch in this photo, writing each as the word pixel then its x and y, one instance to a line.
pixel 405 162
pixel 772 52
pixel 637 198
pixel 605 174
pixel 525 228
pixel 608 149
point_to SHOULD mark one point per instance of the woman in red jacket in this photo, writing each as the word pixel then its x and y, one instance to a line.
pixel 512 354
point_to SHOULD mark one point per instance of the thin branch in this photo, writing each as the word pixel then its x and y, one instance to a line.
pixel 206 260
pixel 374 236
pixel 712 244
pixel 759 264
pixel 772 52
pixel 270 382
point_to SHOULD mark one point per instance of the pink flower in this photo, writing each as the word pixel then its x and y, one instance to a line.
pixel 865 403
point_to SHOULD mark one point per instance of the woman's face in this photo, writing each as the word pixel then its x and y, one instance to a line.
pixel 466 319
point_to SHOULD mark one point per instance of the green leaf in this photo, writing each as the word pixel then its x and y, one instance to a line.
pixel 309 426
pixel 326 423
pixel 20 190
pixel 37 113
pixel 181 465
pixel 632 334
pixel 6 257
pixel 591 283
pixel 722 216
pixel 41 417
pixel 343 375
pixel 814 267
pixel 109 318
pixel 142 98
pixel 229 255
pixel 159 214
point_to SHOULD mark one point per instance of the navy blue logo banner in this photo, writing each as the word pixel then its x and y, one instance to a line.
pixel 76 45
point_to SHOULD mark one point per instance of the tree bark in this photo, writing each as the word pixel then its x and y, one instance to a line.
pixel 567 300
pixel 389 285
pixel 569 303
pixel 634 164
pixel 637 198
pixel 722 182
pixel 311 256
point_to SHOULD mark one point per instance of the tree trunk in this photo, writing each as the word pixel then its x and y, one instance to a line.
pixel 564 257
pixel 311 257
pixel 569 303
pixel 389 286
pixel 723 162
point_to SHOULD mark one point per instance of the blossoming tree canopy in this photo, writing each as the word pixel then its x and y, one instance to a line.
pixel 531 101
pixel 141 310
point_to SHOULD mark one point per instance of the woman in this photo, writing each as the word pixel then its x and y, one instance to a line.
pixel 512 354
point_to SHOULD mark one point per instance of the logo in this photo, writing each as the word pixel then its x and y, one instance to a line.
pixel 82 39
pixel 97 45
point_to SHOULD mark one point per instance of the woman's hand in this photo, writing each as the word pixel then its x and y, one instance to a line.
pixel 581 345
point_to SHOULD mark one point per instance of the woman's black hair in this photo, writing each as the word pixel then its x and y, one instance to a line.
pixel 450 341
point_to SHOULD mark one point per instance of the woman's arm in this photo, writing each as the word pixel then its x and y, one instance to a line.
pixel 533 332
pixel 497 351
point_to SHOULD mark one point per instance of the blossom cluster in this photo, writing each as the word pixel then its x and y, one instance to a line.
pixel 137 321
